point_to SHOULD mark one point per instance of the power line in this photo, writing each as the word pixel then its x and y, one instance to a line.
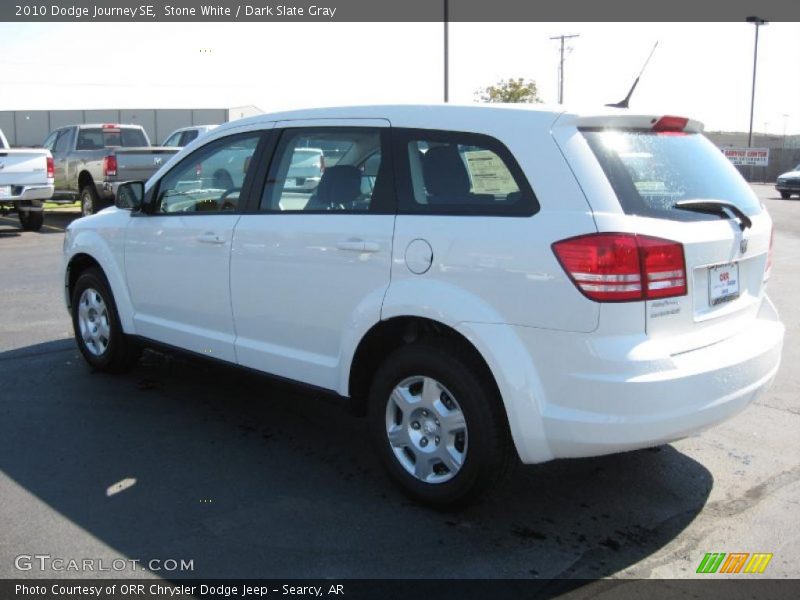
pixel 562 37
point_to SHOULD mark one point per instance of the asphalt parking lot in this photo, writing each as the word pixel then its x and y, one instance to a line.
pixel 249 478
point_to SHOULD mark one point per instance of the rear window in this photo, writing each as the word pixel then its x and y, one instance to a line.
pixel 651 171
pixel 95 139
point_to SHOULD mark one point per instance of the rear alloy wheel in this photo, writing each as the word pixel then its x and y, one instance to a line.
pixel 30 220
pixel 786 195
pixel 438 423
pixel 88 201
pixel 426 429
pixel 98 332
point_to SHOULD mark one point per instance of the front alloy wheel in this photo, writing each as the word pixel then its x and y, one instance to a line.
pixel 98 332
pixel 93 322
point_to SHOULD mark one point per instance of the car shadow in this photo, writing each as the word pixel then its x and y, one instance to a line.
pixel 251 478
pixel 54 222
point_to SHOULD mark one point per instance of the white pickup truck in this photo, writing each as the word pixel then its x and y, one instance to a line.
pixel 26 179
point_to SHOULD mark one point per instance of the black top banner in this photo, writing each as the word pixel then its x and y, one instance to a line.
pixel 396 10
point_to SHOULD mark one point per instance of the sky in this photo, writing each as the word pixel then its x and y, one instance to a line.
pixel 700 70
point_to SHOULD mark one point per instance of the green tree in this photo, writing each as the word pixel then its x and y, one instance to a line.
pixel 510 90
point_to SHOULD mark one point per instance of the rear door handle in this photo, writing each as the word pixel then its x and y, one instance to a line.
pixel 358 246
pixel 209 237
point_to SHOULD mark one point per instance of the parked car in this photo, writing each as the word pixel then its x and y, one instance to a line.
pixel 305 169
pixel 92 160
pixel 26 180
pixel 789 183
pixel 186 135
pixel 513 281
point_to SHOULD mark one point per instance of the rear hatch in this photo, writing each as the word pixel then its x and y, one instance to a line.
pixel 23 167
pixel 138 164
pixel 661 178
pixel 130 156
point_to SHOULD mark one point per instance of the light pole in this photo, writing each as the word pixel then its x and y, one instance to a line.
pixel 758 22
pixel 785 116
pixel 446 52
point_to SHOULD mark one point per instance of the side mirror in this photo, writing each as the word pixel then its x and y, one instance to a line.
pixel 130 195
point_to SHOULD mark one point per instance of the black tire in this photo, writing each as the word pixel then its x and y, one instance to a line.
pixel 488 452
pixel 31 220
pixel 89 200
pixel 121 352
pixel 786 195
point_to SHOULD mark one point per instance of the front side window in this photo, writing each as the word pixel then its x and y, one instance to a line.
pixel 652 171
pixel 462 173
pixel 325 169
pixel 210 179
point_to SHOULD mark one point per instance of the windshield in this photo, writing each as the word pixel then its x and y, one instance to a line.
pixel 651 171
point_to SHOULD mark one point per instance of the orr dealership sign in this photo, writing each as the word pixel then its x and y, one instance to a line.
pixel 753 157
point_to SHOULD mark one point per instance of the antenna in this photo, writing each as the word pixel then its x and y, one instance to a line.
pixel 624 102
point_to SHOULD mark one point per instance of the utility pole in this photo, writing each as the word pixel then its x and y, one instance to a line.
pixel 758 22
pixel 562 37
pixel 785 116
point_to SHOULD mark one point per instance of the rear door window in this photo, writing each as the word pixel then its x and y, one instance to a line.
pixel 328 170
pixel 651 171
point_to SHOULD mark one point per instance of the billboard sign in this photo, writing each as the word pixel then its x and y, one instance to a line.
pixel 753 157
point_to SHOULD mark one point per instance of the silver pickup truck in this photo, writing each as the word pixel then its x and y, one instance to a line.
pixel 26 179
pixel 92 160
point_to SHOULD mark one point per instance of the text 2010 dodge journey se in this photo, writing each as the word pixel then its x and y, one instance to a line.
pixel 482 280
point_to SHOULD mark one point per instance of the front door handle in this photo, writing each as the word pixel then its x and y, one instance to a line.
pixel 209 237
pixel 358 246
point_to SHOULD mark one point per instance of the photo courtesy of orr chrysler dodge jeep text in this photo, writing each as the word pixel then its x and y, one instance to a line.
pixel 483 281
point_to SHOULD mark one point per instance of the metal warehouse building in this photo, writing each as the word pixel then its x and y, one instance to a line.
pixel 30 127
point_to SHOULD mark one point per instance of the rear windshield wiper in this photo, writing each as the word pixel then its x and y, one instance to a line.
pixel 716 207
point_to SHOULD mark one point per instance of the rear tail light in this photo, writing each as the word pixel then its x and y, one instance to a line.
pixel 198 170
pixel 51 168
pixel 623 267
pixel 110 166
pixel 321 164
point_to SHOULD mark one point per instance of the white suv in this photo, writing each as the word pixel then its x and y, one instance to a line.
pixel 482 281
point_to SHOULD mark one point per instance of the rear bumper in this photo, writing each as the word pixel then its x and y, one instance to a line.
pixel 588 396
pixel 21 193
pixel 788 187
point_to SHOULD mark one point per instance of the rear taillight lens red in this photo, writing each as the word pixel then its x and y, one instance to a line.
pixel 321 164
pixel 51 168
pixel 110 166
pixel 623 267
pixel 670 123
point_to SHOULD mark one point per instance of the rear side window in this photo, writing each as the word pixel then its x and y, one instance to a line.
pixel 460 173
pixel 97 138
pixel 651 171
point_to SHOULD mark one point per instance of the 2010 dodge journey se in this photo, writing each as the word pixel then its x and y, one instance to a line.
pixel 481 280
